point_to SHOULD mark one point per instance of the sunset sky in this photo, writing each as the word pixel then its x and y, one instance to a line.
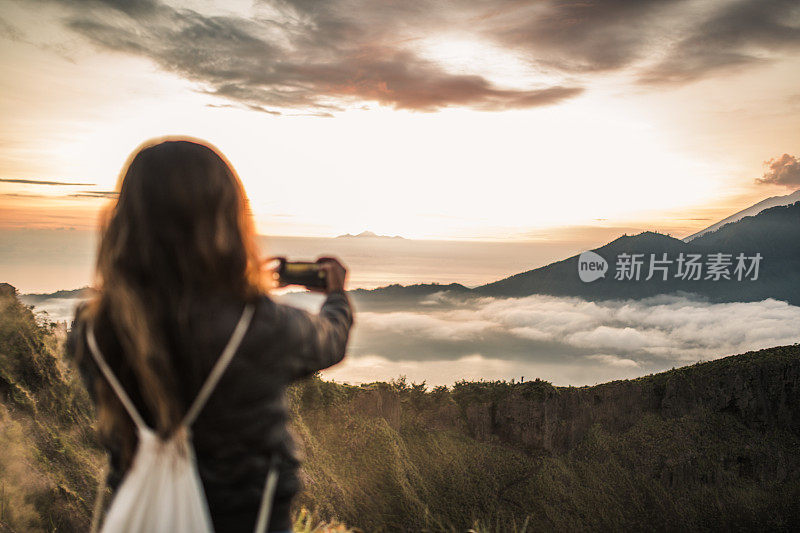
pixel 470 119
pixel 496 136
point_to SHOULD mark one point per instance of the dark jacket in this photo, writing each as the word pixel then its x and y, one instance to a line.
pixel 244 423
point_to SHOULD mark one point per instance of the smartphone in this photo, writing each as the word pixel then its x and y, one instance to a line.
pixel 305 273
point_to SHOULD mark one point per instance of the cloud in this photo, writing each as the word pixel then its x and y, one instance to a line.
pixel 58 309
pixel 9 31
pixel 79 194
pixel 582 36
pixel 565 340
pixel 432 327
pixel 95 194
pixel 614 361
pixel 323 56
pixel 41 182
pixel 735 34
pixel 304 56
pixel 783 170
pixel 23 195
pixel 644 336
pixel 300 54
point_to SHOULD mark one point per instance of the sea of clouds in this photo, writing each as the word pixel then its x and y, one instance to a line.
pixel 568 341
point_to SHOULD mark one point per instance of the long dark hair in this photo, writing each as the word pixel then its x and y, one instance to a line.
pixel 180 227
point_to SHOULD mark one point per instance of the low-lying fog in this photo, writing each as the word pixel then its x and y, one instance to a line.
pixel 567 341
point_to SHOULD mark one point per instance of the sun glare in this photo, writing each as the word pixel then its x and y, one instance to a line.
pixel 501 66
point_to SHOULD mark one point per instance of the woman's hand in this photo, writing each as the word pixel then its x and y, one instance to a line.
pixel 335 274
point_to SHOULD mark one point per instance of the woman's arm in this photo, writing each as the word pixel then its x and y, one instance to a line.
pixel 319 341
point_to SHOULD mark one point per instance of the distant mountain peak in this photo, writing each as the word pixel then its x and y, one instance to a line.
pixel 774 233
pixel 366 234
pixel 643 237
pixel 772 201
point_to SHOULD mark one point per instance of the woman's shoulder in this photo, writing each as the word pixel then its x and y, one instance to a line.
pixel 273 316
pixel 212 316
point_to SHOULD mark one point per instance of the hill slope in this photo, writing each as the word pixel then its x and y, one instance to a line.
pixel 714 446
pixel 49 459
pixel 772 201
pixel 710 446
pixel 774 233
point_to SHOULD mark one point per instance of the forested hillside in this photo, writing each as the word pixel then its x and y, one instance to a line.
pixel 710 446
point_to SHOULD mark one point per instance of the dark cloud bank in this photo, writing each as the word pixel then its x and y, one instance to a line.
pixel 315 55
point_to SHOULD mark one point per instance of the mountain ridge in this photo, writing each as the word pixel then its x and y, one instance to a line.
pixel 366 234
pixel 772 201
pixel 774 233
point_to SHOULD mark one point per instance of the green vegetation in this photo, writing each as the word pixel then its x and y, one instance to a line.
pixel 49 459
pixel 389 457
pixel 710 446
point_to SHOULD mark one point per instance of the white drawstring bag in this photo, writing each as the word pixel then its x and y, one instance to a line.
pixel 162 491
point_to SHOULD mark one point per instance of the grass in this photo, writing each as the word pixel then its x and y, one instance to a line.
pixel 714 446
